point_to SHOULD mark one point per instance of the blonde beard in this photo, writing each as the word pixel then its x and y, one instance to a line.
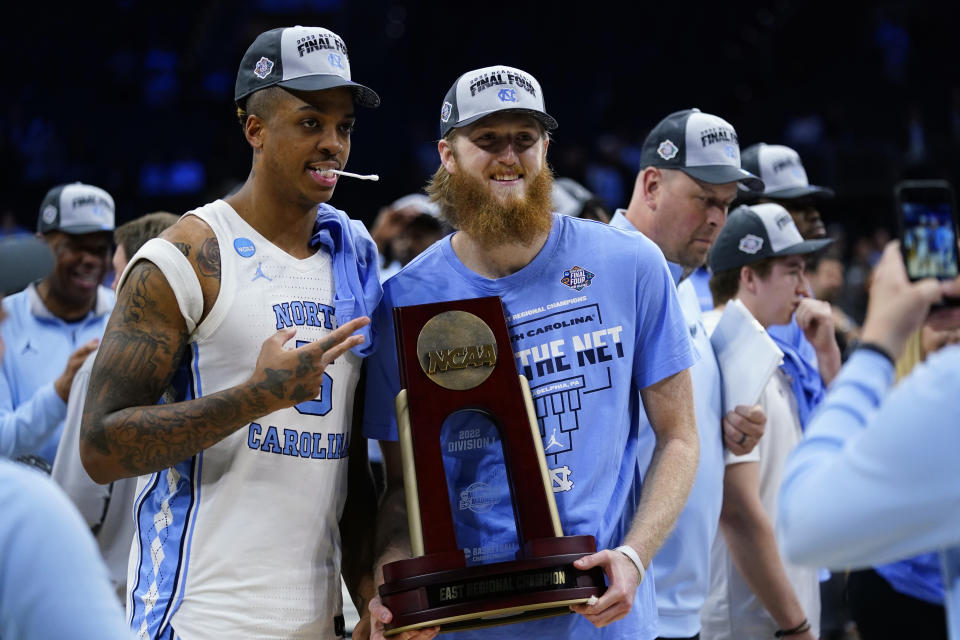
pixel 468 205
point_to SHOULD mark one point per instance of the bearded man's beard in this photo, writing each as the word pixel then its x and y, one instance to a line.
pixel 468 204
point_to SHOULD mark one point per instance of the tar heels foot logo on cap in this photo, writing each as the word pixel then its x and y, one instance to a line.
pixel 244 247
pixel 446 111
pixel 507 95
pixel 751 243
pixel 263 68
pixel 577 278
pixel 667 150
pixel 49 214
pixel 336 60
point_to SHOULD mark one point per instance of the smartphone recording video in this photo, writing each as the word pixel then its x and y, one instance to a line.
pixel 928 228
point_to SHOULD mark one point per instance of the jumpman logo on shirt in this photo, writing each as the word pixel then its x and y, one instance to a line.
pixel 261 274
pixel 553 440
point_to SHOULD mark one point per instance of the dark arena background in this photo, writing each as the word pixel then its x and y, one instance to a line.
pixel 136 96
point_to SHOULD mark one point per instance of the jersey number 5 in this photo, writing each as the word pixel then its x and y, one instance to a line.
pixel 321 405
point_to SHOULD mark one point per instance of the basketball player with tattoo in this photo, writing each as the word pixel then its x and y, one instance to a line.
pixel 247 321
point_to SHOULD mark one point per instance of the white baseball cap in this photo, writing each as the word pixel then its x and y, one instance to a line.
pixel 482 92
pixel 702 145
pixel 76 208
pixel 782 172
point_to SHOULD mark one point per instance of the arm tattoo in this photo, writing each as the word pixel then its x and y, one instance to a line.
pixel 141 349
pixel 301 393
pixel 274 381
pixel 304 364
pixel 208 259
pixel 184 248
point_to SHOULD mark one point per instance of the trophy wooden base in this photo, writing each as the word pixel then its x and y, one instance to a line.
pixel 438 590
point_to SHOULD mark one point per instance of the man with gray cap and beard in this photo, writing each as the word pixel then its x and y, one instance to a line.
pixel 579 277
pixel 689 175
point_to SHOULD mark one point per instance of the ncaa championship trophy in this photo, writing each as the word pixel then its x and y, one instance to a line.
pixel 455 357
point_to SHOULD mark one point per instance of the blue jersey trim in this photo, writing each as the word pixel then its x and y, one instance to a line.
pixel 182 497
pixel 137 509
pixel 180 583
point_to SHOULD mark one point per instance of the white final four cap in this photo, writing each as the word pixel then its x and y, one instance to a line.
pixel 482 92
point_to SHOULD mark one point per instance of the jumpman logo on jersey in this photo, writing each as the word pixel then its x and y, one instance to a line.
pixel 260 274
pixel 29 347
pixel 553 440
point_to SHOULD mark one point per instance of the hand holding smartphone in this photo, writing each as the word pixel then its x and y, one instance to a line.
pixel 927 220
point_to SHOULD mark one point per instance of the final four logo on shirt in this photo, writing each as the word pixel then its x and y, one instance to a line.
pixel 751 243
pixel 577 278
pixel 445 111
pixel 507 95
pixel 263 68
pixel 667 150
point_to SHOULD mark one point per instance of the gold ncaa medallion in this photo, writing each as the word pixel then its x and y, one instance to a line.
pixel 457 350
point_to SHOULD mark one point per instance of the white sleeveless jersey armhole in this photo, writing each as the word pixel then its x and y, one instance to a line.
pixel 179 274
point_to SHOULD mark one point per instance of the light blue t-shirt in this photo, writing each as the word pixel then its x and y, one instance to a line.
pixel 38 345
pixel 53 583
pixel 593 319
pixel 682 565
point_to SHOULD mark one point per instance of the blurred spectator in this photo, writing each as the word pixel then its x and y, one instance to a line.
pixel 55 322
pixel 53 584
pixel 825 274
pixel 810 367
pixel 403 229
pixel 785 182
pixel 570 198
pixel 105 507
pixel 10 227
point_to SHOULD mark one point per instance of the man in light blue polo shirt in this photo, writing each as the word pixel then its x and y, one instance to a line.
pixel 53 583
pixel 690 171
pixel 56 322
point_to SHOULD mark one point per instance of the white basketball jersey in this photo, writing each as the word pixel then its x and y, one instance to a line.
pixel 242 540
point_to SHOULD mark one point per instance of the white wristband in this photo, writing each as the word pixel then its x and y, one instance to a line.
pixel 628 551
